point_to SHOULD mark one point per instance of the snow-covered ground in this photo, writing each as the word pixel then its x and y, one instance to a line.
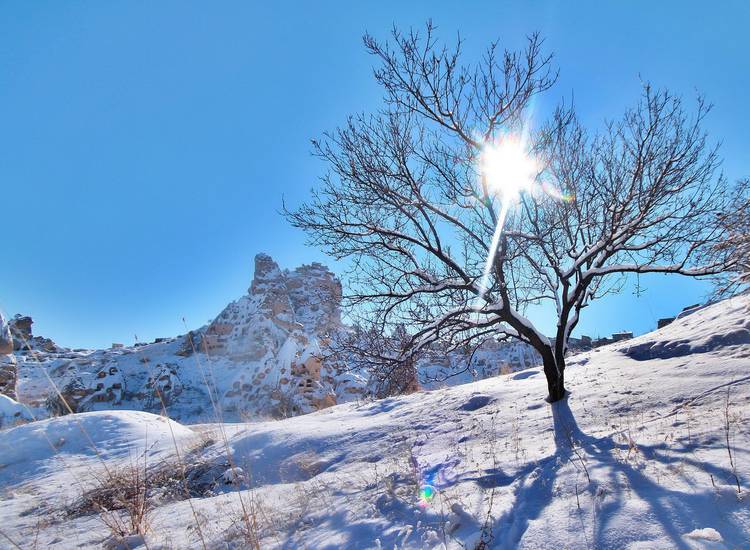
pixel 637 457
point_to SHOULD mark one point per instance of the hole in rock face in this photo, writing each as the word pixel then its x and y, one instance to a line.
pixel 476 402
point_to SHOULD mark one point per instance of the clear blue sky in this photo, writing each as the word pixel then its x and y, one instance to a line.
pixel 145 146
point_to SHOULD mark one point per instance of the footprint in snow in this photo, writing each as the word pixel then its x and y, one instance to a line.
pixel 476 402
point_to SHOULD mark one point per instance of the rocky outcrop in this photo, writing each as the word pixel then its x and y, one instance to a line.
pixel 8 376
pixel 315 294
pixel 24 339
pixel 85 385
pixel 69 398
pixel 163 387
pixel 20 327
pixel 6 339
pixel 264 354
pixel 283 325
pixel 8 369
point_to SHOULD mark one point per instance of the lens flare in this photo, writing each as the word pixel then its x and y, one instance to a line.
pixel 508 168
pixel 426 494
pixel 434 478
pixel 555 193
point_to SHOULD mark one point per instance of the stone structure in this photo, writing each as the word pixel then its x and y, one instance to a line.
pixel 664 322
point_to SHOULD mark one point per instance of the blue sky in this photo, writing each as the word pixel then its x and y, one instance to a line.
pixel 145 146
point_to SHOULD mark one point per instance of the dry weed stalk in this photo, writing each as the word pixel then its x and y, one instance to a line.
pixel 123 503
pixel 183 470
pixel 729 421
pixel 249 511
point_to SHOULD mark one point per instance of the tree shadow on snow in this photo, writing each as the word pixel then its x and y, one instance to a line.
pixel 677 512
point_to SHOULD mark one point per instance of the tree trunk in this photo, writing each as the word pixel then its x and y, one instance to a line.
pixel 555 372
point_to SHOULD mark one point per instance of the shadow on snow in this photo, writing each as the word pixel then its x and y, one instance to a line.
pixel 677 512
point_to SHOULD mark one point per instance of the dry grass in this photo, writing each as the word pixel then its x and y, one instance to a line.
pixel 122 502
pixel 730 422
pixel 247 523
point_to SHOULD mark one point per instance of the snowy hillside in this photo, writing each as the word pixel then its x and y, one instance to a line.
pixel 651 450
pixel 265 355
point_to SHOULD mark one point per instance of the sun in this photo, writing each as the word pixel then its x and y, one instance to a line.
pixel 508 167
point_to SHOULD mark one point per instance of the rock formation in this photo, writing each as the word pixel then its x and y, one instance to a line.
pixel 6 339
pixel 266 354
pixel 8 370
pixel 283 325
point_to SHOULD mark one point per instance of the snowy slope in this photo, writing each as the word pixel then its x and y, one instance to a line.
pixel 635 458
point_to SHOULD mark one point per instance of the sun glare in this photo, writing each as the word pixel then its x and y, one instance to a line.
pixel 508 167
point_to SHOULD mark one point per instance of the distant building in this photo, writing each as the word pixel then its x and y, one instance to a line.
pixel 599 342
pixel 688 310
pixel 616 337
pixel 579 344
pixel 664 322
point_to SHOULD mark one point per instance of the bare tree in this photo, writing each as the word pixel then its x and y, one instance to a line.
pixel 736 223
pixel 387 357
pixel 407 200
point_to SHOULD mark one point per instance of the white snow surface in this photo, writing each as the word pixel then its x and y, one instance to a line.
pixel 12 412
pixel 635 458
